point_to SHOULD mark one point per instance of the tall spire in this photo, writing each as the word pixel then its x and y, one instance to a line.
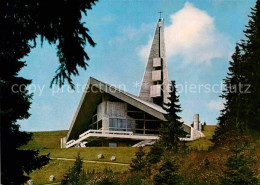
pixel 155 84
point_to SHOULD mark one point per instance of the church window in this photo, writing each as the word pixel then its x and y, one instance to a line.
pixel 113 122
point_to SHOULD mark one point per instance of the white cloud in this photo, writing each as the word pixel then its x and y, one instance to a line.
pixel 144 50
pixel 193 36
pixel 129 33
pixel 216 105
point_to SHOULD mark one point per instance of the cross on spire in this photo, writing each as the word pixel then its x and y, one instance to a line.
pixel 160 12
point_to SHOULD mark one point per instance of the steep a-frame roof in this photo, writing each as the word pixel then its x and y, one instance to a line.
pixel 92 96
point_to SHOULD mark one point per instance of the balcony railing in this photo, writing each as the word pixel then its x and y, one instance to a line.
pixel 109 133
pixel 105 132
pixel 70 142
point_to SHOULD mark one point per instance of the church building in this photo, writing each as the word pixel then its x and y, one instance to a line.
pixel 107 116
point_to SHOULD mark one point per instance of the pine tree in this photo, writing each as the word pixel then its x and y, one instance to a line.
pixel 83 178
pixel 76 170
pixel 66 177
pixel 237 170
pixel 139 162
pixel 167 174
pixel 75 175
pixel 242 107
pixel 251 72
pixel 229 121
pixel 172 129
pixel 21 23
pixel 155 154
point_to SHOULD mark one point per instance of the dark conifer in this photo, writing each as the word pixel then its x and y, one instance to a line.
pixel 77 169
pixel 155 154
pixel 229 119
pixel 75 175
pixel 21 22
pixel 172 129
pixel 66 177
pixel 251 70
pixel 242 107
pixel 139 162
pixel 167 174
pixel 237 169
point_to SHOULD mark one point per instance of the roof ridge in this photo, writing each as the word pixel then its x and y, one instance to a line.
pixel 134 96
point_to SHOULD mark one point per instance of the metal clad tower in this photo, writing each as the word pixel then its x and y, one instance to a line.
pixel 155 84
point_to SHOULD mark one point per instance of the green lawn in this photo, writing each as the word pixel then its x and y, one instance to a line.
pixel 49 142
pixel 123 154
pixel 203 143
pixel 45 140
pixel 58 168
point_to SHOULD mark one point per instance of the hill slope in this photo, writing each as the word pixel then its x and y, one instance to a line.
pixel 49 142
pixel 203 143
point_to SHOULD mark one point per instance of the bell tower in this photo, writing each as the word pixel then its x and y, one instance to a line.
pixel 155 84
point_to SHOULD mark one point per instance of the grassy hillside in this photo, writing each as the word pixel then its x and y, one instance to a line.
pixel 49 142
pixel 46 140
pixel 58 168
pixel 123 154
pixel 203 143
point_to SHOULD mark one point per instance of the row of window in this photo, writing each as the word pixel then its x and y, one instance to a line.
pixel 137 126
pixel 121 123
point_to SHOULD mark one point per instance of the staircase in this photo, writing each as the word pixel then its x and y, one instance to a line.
pixel 144 143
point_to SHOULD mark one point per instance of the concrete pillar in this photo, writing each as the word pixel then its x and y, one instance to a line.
pixel 63 142
pixel 105 123
pixel 192 133
pixel 196 121
pixel 200 126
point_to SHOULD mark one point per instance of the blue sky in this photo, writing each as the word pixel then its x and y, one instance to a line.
pixel 200 38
